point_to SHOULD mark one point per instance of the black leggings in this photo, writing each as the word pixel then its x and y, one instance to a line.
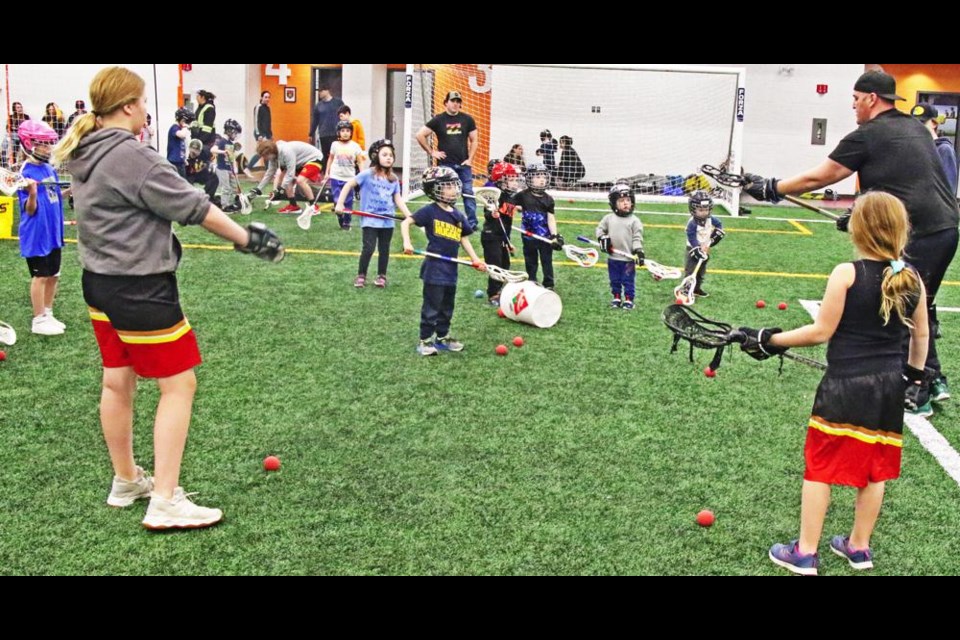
pixel 931 255
pixel 372 237
pixel 495 252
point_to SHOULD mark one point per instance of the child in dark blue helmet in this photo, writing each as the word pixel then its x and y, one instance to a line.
pixel 622 231
pixel 703 232
pixel 538 217
pixel 447 230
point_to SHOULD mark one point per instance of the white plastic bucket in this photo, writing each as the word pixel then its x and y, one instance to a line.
pixel 530 303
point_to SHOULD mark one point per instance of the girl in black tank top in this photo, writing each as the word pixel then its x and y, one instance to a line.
pixel 854 435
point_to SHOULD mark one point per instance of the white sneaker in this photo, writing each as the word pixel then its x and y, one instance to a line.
pixel 124 493
pixel 55 321
pixel 44 326
pixel 179 513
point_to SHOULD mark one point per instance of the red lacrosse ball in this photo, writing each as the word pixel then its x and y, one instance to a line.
pixel 710 373
pixel 501 313
pixel 678 301
pixel 271 463
pixel 761 304
pixel 782 306
pixel 3 356
pixel 501 350
pixel 518 341
pixel 705 518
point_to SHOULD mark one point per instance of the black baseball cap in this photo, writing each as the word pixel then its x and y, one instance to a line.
pixel 880 83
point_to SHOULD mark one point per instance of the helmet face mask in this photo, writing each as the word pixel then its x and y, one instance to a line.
pixel 37 139
pixel 442 185
pixel 622 200
pixel 700 205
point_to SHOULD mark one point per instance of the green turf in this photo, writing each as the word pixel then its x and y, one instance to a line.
pixel 588 451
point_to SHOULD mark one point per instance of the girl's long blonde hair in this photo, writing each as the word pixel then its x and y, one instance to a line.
pixel 880 228
pixel 111 89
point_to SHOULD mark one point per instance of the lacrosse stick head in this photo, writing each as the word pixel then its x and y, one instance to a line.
pixel 442 184
pixel 487 197
pixel 583 257
pixel 721 177
pixel 621 198
pixel 8 335
pixel 504 275
pixel 700 204
pixel 662 272
pixel 683 292
pixel 246 208
pixel 695 328
pixel 11 182
pixel 508 177
pixel 37 139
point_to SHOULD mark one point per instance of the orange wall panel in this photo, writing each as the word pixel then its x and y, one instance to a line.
pixel 912 78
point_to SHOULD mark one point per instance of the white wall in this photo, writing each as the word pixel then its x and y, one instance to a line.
pixel 365 92
pixel 229 83
pixel 780 106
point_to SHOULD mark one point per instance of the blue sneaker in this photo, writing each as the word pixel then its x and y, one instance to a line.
pixel 859 559
pixel 789 557
pixel 446 343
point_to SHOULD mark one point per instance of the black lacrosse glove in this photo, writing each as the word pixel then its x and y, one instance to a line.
pixel 918 386
pixel 558 242
pixel 717 235
pixel 762 189
pixel 699 254
pixel 263 243
pixel 843 222
pixel 605 244
pixel 639 256
pixel 253 193
pixel 756 342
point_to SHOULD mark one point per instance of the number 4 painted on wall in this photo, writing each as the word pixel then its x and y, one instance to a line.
pixel 281 71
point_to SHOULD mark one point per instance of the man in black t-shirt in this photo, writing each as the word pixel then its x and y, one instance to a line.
pixel 457 142
pixel 892 152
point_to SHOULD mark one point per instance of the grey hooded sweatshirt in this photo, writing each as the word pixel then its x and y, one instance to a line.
pixel 127 198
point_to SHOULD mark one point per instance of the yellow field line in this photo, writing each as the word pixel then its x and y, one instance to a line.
pixel 565 263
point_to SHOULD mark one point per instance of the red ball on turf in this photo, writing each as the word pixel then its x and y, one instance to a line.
pixel 501 313
pixel 705 518
pixel 501 350
pixel 761 304
pixel 782 306
pixel 678 301
pixel 3 356
pixel 271 463
pixel 518 341
pixel 710 373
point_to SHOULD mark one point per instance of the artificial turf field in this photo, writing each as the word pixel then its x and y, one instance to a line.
pixel 588 451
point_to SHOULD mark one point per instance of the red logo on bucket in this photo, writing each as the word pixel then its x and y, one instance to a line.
pixel 519 302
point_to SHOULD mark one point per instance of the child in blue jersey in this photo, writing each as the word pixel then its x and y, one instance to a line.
pixel 380 193
pixel 228 197
pixel 178 136
pixel 447 230
pixel 538 217
pixel 41 224
pixel 704 230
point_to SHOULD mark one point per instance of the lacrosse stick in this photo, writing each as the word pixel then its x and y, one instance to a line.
pixel 735 181
pixel 583 257
pixel 698 330
pixel 305 218
pixel 683 292
pixel 381 216
pixel 7 334
pixel 11 182
pixel 497 273
pixel 246 208
pixel 489 197
pixel 657 271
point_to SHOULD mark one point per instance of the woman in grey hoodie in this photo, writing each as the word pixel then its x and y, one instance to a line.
pixel 128 197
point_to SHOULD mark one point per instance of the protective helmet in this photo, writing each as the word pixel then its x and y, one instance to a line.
pixel 434 178
pixel 621 190
pixel 503 170
pixel 536 169
pixel 343 124
pixel 232 126
pixel 184 114
pixel 37 139
pixel 374 151
pixel 701 204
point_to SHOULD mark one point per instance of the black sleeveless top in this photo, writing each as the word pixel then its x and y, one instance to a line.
pixel 862 344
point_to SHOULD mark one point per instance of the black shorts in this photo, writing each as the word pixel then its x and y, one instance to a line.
pixel 45 266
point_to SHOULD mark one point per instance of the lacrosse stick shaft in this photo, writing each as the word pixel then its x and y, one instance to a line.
pixel 597 244
pixel 810 362
pixel 379 216
pixel 812 207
